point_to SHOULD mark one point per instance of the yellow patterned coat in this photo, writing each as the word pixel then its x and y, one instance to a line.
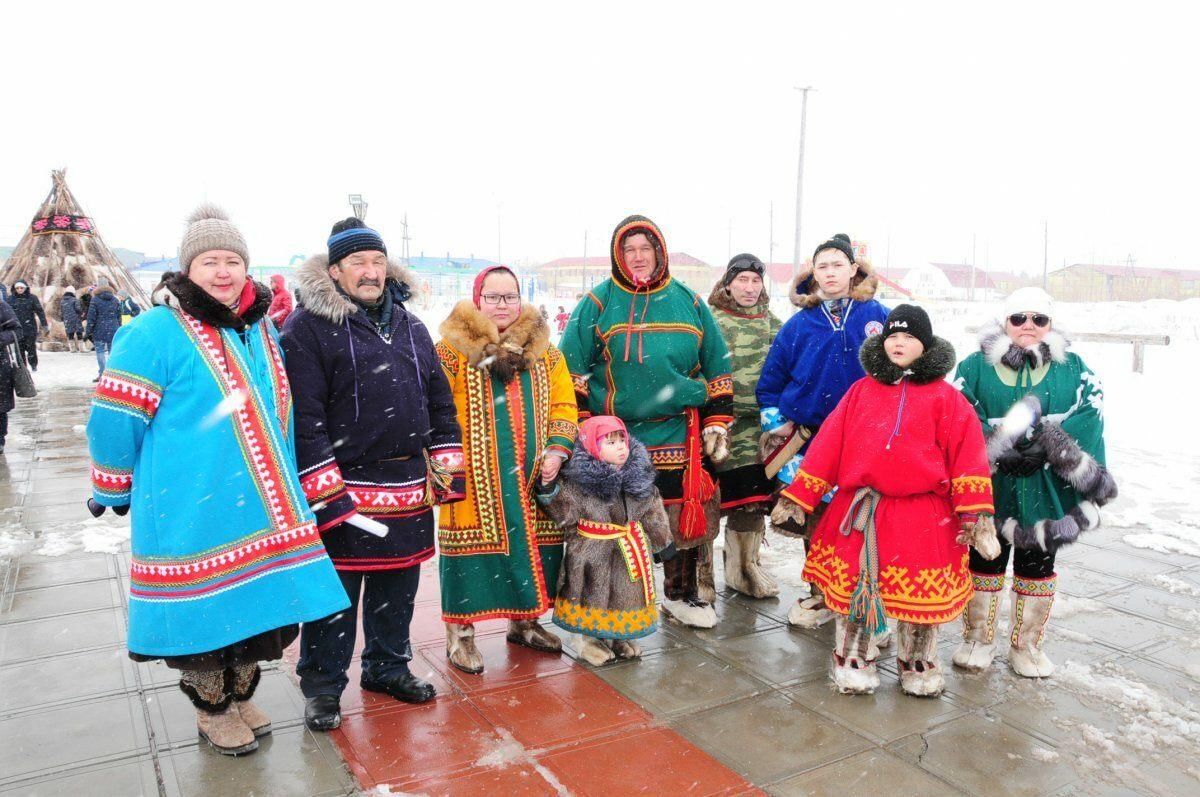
pixel 500 554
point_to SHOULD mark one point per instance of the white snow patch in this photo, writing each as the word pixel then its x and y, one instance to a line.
pixel 93 535
pixel 1070 605
pixel 1176 586
pixel 509 752
pixel 1162 543
pixel 1042 754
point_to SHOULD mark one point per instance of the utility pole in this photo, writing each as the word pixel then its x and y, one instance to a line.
pixel 771 235
pixel 1046 255
pixel 971 290
pixel 499 259
pixel 796 253
pixel 729 243
pixel 406 238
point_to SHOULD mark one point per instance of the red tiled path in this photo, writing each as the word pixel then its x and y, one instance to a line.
pixel 531 724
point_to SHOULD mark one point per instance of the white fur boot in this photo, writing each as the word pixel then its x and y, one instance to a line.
pixel 1031 603
pixel 917 659
pixel 978 647
pixel 810 612
pixel 695 614
pixel 594 651
pixel 626 649
pixel 854 655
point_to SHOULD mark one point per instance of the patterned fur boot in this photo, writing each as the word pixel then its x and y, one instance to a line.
pixel 461 650
pixel 706 585
pixel 917 659
pixel 531 634
pixel 978 647
pixel 1031 603
pixel 854 655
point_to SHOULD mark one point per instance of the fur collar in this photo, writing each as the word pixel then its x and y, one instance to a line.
pixel 862 285
pixel 636 476
pixel 180 293
pixel 999 349
pixel 932 366
pixel 720 299
pixel 516 349
pixel 319 294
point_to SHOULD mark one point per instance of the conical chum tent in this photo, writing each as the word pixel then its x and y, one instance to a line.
pixel 62 247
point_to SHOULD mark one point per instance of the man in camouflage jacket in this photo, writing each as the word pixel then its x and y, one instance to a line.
pixel 741 307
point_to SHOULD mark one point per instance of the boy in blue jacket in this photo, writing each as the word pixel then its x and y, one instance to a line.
pixel 812 363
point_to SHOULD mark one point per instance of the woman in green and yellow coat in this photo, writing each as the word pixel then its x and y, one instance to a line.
pixel 500 555
pixel 645 348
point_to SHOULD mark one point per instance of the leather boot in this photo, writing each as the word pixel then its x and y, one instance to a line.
pixel 226 732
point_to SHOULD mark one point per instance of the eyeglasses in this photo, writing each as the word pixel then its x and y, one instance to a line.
pixel 501 298
pixel 1019 319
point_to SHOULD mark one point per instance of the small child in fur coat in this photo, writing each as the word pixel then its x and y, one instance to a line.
pixel 605 500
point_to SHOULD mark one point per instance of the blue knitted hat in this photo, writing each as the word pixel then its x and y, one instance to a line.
pixel 350 236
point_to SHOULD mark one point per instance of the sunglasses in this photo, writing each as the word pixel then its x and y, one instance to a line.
pixel 1019 319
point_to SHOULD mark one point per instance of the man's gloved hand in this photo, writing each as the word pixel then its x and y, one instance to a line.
pixel 97 509
pixel 666 554
pixel 716 444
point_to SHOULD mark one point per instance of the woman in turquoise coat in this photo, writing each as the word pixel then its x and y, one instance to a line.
pixel 191 432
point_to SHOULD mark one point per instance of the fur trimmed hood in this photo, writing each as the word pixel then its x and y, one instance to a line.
pixel 319 293
pixel 863 285
pixel 720 299
pixel 602 480
pixel 504 353
pixel 620 273
pixel 180 293
pixel 998 348
pixel 932 366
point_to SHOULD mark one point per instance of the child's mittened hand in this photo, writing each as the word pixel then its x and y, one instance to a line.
pixel 550 468
pixel 785 510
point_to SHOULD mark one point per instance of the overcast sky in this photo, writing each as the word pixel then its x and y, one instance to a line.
pixel 931 123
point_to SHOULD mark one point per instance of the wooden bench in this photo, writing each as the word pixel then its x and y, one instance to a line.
pixel 1140 342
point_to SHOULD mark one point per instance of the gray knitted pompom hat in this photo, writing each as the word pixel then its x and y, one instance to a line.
pixel 209 228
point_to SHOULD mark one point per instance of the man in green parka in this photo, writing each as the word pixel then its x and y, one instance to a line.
pixel 740 304
pixel 645 348
pixel 1042 411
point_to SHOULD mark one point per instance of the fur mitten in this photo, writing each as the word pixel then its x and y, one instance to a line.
pixel 981 535
pixel 787 510
pixel 716 444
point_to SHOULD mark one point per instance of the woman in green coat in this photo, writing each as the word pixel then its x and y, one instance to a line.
pixel 1042 410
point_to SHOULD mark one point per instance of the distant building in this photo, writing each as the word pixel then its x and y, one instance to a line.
pixel 567 277
pixel 1090 282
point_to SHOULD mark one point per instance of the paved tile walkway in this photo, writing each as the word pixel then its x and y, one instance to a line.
pixel 739 708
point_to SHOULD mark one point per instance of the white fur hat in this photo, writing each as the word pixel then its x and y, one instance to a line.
pixel 1029 300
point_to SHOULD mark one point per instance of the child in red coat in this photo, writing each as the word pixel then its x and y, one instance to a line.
pixel 905 451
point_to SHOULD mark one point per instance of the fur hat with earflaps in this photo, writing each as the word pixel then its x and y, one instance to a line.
pixel 209 228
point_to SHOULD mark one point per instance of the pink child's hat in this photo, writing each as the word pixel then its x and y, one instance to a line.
pixel 596 428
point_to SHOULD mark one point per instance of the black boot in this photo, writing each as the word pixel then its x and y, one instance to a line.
pixel 405 687
pixel 322 713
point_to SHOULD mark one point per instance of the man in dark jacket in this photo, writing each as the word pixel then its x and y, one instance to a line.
pixel 28 308
pixel 376 436
pixel 72 318
pixel 103 321
pixel 10 333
